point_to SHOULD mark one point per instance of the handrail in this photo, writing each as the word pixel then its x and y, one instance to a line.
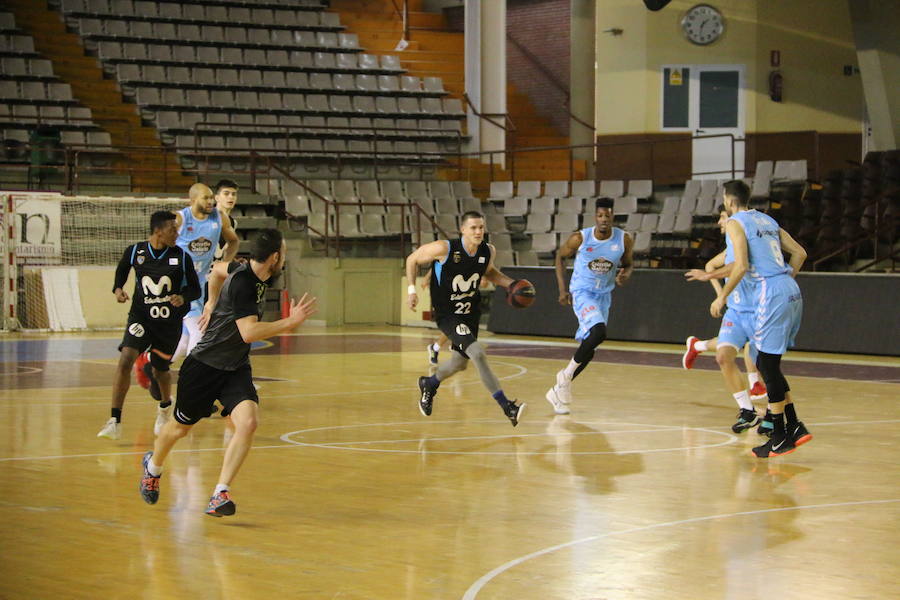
pixel 534 60
pixel 403 13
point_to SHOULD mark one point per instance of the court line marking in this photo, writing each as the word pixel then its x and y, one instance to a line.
pixel 30 371
pixel 287 437
pixel 476 587
pixel 293 444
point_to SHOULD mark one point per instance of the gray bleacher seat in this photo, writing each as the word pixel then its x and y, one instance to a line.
pixel 584 189
pixel 611 189
pixel 543 205
pixel 544 242
pixel 691 189
pixel 640 188
pixel 641 242
pixel 683 224
pixel 569 205
pixel 625 205
pixel 670 205
pixel 566 222
pixel 538 223
pixel 504 258
pixel 500 190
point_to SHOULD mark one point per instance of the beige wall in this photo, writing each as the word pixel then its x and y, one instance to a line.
pixel 814 37
pixel 350 290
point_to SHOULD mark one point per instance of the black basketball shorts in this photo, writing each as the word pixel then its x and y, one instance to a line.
pixel 162 336
pixel 461 329
pixel 199 385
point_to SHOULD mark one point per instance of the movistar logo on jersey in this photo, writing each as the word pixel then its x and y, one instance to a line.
pixel 156 292
pixel 461 284
pixel 464 287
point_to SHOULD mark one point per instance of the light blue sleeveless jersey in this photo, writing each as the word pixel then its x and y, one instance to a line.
pixel 763 244
pixel 200 239
pixel 597 261
pixel 743 297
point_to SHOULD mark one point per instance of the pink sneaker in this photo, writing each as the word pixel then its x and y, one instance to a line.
pixel 221 505
pixel 690 355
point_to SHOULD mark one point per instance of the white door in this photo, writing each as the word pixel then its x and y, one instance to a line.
pixel 707 101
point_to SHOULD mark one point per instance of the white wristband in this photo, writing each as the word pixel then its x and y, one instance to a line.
pixel 411 289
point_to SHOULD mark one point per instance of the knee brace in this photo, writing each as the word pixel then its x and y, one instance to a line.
pixel 595 337
pixel 769 366
pixel 158 362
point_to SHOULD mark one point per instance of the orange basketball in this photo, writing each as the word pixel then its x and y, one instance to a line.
pixel 521 294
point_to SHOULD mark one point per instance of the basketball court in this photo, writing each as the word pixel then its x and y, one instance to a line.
pixel 643 492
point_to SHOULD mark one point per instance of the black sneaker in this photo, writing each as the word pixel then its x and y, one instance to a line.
pixel 432 355
pixel 746 420
pixel 149 483
pixel 774 448
pixel 514 412
pixel 427 397
pixel 799 434
pixel 765 428
pixel 154 385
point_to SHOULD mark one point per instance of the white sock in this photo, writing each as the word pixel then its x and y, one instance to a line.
pixel 436 347
pixel 701 346
pixel 569 371
pixel 753 377
pixel 220 487
pixel 153 468
pixel 743 399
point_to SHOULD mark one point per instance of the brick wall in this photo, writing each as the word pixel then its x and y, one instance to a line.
pixel 543 28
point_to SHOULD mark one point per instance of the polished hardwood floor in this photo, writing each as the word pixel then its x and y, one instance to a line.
pixel 643 492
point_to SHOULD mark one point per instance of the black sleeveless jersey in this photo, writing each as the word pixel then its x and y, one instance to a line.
pixel 455 283
pixel 158 275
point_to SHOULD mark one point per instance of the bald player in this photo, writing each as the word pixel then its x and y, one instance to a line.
pixel 200 226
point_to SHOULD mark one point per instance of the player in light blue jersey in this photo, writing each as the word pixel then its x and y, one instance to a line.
pixel 759 246
pixel 602 261
pixel 200 226
pixel 734 333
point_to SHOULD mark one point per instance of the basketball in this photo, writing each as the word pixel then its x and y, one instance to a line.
pixel 521 294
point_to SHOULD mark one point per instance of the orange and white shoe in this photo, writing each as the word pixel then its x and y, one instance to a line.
pixel 758 391
pixel 691 354
pixel 139 373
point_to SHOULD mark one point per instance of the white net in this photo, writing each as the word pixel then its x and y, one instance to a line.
pixel 64 253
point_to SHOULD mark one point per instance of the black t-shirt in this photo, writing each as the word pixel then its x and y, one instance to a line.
pixel 158 275
pixel 455 283
pixel 242 295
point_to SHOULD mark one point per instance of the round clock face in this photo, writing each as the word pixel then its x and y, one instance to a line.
pixel 703 24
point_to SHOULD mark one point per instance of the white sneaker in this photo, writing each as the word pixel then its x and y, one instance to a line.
pixel 563 387
pixel 162 417
pixel 553 397
pixel 112 430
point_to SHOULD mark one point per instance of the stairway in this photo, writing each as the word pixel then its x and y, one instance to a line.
pixel 437 52
pixel 103 96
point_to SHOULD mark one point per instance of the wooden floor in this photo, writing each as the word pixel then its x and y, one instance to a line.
pixel 349 493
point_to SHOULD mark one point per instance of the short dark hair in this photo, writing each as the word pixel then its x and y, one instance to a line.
pixel 604 203
pixel 159 219
pixel 720 208
pixel 266 243
pixel 225 183
pixel 739 190
pixel 470 214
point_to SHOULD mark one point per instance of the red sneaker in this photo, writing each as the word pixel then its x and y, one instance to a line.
pixel 758 391
pixel 142 379
pixel 690 355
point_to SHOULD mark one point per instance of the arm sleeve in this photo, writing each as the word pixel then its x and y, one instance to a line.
pixel 243 296
pixel 190 289
pixel 122 268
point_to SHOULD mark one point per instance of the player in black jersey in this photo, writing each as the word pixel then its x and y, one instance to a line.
pixel 226 194
pixel 459 266
pixel 165 283
pixel 218 368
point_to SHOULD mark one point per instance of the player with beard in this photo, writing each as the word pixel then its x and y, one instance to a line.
pixel 602 261
pixel 219 366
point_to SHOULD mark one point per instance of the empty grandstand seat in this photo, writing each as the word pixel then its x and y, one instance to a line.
pixel 611 189
pixel 625 205
pixel 543 205
pixel 570 205
pixel 640 188
pixel 566 222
